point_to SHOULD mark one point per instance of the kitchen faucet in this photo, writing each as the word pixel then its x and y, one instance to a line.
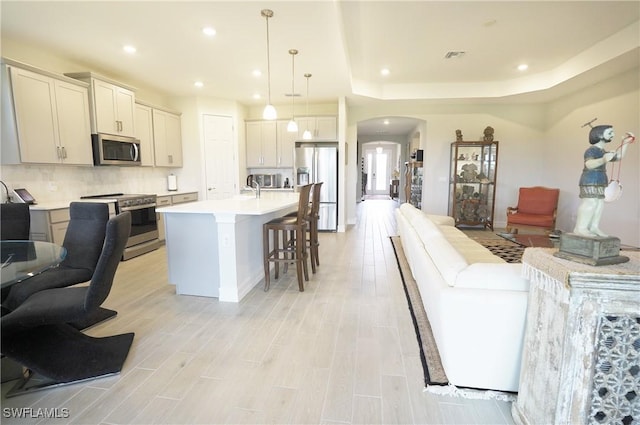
pixel 256 190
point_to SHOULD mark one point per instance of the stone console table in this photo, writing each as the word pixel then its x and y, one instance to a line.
pixel 581 356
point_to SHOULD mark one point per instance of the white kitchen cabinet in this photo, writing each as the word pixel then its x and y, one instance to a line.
pixel 261 144
pixel 144 133
pixel 285 145
pixel 113 105
pixel 168 200
pixel 321 128
pixel 50 225
pixel 50 116
pixel 167 138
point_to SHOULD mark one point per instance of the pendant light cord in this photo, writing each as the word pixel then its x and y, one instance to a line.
pixel 268 62
pixel 293 75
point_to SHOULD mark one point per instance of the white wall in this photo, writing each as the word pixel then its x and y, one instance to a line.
pixel 615 102
pixel 538 145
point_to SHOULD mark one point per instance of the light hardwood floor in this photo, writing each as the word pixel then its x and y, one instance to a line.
pixel 344 351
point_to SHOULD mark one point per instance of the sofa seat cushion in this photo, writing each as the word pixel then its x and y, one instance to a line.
pixel 471 251
pixel 531 219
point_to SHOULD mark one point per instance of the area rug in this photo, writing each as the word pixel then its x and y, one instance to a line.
pixel 435 378
pixel 509 251
pixel 431 363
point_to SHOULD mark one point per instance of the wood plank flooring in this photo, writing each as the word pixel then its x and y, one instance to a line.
pixel 344 351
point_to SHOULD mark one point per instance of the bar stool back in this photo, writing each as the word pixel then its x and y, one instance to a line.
pixel 314 216
pixel 292 251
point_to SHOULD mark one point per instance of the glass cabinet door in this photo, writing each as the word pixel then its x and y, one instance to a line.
pixel 472 183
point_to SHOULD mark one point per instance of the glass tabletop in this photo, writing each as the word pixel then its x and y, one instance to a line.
pixel 23 259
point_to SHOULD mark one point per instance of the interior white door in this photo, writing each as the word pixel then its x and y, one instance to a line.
pixel 220 158
pixel 378 169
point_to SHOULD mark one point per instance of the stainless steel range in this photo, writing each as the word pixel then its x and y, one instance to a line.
pixel 144 225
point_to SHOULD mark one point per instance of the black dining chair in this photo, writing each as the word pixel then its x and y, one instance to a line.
pixel 37 334
pixel 15 222
pixel 83 242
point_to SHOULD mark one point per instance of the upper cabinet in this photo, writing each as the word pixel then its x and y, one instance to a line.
pixel 144 133
pixel 321 128
pixel 261 144
pixel 167 138
pixel 113 105
pixel 286 142
pixel 270 145
pixel 45 118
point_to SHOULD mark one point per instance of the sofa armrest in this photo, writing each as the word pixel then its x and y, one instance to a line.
pixel 512 210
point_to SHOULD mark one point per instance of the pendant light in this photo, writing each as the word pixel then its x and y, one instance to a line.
pixel 269 112
pixel 292 126
pixel 307 134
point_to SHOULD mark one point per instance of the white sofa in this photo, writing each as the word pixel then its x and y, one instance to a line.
pixel 475 301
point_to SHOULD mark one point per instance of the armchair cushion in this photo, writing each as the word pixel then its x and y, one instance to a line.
pixel 537 200
pixel 536 207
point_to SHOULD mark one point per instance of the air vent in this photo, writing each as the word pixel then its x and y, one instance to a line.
pixel 454 55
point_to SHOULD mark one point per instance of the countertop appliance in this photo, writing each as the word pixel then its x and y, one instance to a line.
pixel 115 150
pixel 144 224
pixel 318 162
pixel 265 180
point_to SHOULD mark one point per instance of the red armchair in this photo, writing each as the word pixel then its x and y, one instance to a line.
pixel 537 208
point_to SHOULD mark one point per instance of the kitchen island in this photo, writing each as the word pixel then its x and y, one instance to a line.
pixel 214 248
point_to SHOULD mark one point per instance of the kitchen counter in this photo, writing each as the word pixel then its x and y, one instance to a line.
pixel 214 248
pixel 56 205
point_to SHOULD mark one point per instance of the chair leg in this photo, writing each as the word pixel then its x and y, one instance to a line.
pixel 311 252
pixel 265 254
pixel 301 263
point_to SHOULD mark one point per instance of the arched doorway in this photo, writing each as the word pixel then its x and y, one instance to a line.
pixel 384 145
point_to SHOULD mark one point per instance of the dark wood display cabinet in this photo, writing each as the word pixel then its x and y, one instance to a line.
pixel 472 183
pixel 413 184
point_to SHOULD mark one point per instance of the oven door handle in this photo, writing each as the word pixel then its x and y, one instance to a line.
pixel 137 207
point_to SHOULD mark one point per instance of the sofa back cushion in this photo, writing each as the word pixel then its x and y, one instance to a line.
pixel 507 276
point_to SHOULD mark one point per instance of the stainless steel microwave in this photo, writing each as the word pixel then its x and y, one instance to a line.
pixel 115 150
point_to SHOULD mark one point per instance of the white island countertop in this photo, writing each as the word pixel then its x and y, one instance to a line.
pixel 237 205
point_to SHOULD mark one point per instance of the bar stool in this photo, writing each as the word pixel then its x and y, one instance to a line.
pixel 293 250
pixel 312 216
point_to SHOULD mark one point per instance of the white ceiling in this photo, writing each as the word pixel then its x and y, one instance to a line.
pixel 343 44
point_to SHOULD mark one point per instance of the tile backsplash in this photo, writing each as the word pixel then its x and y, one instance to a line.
pixel 54 183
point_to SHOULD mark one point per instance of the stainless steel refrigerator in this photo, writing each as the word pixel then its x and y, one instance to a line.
pixel 315 163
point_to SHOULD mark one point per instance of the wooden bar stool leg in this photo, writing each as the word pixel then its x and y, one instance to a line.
pixel 276 252
pixel 311 253
pixel 302 243
pixel 266 254
pixel 300 263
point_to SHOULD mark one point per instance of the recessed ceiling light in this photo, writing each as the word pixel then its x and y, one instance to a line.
pixel 129 49
pixel 385 122
pixel 523 67
pixel 257 96
pixel 385 71
pixel 198 84
pixel 257 73
pixel 209 31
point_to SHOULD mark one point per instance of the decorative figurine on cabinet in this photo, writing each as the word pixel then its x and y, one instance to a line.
pixel 594 181
pixel 488 134
pixel 588 244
